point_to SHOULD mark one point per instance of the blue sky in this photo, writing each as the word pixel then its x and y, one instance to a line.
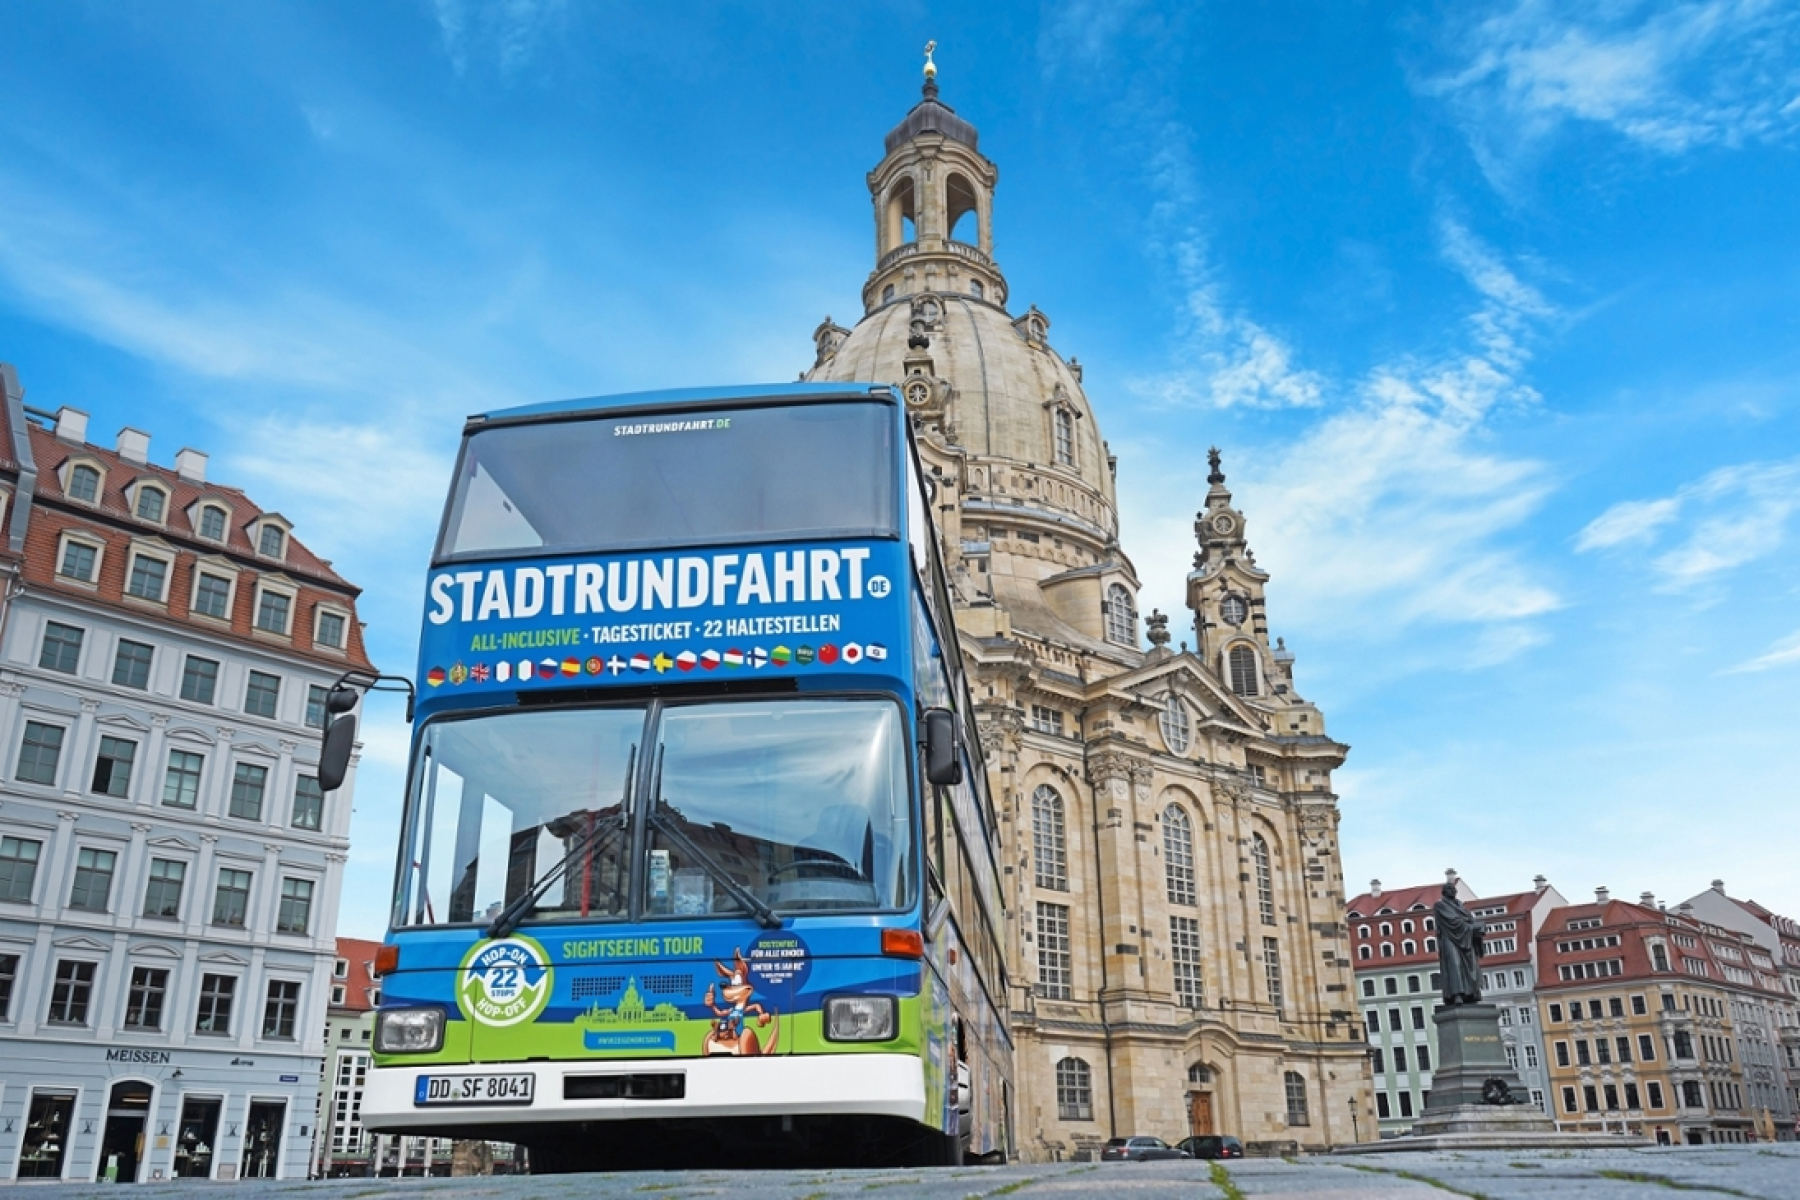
pixel 1492 309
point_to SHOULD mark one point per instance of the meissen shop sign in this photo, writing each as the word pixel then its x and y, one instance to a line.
pixel 138 1056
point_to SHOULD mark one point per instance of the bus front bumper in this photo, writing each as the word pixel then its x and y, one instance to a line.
pixel 890 1085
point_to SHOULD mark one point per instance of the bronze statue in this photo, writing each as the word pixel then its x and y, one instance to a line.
pixel 1459 949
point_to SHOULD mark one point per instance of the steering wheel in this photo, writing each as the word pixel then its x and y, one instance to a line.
pixel 834 866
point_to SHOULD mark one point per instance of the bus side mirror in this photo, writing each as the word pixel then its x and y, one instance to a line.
pixel 334 755
pixel 943 754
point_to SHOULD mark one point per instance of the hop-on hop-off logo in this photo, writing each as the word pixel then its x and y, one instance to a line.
pixel 505 982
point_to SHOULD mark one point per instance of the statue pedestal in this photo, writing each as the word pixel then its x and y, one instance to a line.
pixel 1466 1108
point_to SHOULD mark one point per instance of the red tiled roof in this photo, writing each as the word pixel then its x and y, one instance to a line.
pixel 358 983
pixel 111 522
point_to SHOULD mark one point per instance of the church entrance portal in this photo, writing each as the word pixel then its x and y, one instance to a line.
pixel 1200 1114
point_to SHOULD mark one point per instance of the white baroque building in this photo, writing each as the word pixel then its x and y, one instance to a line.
pixel 169 870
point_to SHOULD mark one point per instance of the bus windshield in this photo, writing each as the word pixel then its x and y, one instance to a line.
pixel 781 805
pixel 682 478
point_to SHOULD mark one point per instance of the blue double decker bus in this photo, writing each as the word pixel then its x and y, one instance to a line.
pixel 698 860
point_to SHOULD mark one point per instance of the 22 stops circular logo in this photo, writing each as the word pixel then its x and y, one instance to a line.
pixel 505 982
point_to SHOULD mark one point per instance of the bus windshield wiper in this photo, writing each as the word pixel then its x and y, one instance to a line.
pixel 508 918
pixel 765 916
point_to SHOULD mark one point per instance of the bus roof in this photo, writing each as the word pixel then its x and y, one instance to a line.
pixel 680 396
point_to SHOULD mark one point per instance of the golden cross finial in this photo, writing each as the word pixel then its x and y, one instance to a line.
pixel 930 67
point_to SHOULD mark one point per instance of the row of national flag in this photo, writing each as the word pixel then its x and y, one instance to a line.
pixel 659 662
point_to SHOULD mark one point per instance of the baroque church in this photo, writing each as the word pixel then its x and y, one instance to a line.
pixel 1176 941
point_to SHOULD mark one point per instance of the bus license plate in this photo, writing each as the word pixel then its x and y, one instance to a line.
pixel 473 1089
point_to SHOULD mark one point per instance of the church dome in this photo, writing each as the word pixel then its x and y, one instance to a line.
pixel 1007 394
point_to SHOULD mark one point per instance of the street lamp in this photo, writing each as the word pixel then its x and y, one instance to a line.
pixel 1355 1132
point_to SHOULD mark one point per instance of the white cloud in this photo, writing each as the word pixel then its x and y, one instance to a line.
pixel 1784 653
pixel 1665 76
pixel 1735 515
pixel 507 32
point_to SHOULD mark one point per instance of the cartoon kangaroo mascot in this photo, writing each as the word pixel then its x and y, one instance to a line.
pixel 729 1034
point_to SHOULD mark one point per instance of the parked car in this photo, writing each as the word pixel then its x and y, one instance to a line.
pixel 1139 1149
pixel 1212 1145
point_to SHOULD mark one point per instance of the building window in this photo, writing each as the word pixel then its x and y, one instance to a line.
pixel 1425 1056
pixel 144 1002
pixel 271 541
pixel 340 969
pixel 1296 1098
pixel 331 630
pixel 1178 855
pixel 9 974
pixel 1049 849
pixel 1383 1108
pixel 212 595
pixel 315 706
pixel 1265 880
pixel 1368 988
pixel 181 783
pixel 309 802
pixel 1378 1061
pixel 1412 983
pixel 216 995
pixel 1646 1048
pixel 1631 1096
pixel 1399 1060
pixel 212 523
pixel 231 902
pixel 150 503
pixel 1656 1093
pixel 1418 1017
pixel 1242 662
pixel 1121 619
pixel 62 648
pixel 1176 729
pixel 1406 1104
pixel 1570 1104
pixel 199 679
pixel 248 782
pixel 1272 969
pixel 1046 720
pixel 84 483
pixel 262 694
pixel 131 664
pixel 1556 1014
pixel 1684 1044
pixel 92 886
pixel 162 895
pixel 149 577
pixel 1065 437
pixel 112 767
pixel 79 561
pixel 39 753
pixel 1638 1007
pixel 281 1007
pixel 272 611
pixel 1184 957
pixel 1074 1090
pixel 18 868
pixel 1372 1020
pixel 296 906
pixel 1055 975
pixel 70 992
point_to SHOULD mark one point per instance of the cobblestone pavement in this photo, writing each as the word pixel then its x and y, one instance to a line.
pixel 1761 1172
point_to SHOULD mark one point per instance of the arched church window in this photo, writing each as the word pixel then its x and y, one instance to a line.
pixel 1265 878
pixel 1296 1098
pixel 1175 725
pixel 1065 437
pixel 1121 620
pixel 1242 661
pixel 1178 855
pixel 1074 1090
pixel 961 214
pixel 902 214
pixel 887 293
pixel 1198 1073
pixel 1049 845
pixel 975 289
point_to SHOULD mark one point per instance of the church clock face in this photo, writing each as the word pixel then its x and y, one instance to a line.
pixel 1223 523
pixel 1234 609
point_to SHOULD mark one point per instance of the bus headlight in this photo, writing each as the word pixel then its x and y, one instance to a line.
pixel 860 1018
pixel 409 1030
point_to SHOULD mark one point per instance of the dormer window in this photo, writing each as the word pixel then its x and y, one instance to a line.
pixel 151 501
pixel 84 483
pixel 271 541
pixel 212 523
pixel 329 628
